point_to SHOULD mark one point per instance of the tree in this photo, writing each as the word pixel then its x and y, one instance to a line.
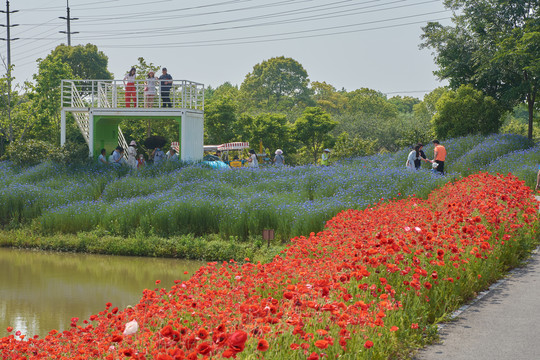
pixel 312 129
pixel 220 114
pixel 493 46
pixel 85 61
pixel 47 95
pixel 327 98
pixel 276 84
pixel 272 130
pixel 404 104
pixel 348 147
pixel 466 111
pixel 143 68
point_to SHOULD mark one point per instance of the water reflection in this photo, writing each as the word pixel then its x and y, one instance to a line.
pixel 41 291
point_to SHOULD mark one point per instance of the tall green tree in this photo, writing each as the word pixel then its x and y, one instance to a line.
pixel 273 130
pixel 47 96
pixel 276 84
pixel 466 111
pixel 220 115
pixel 85 61
pixel 313 129
pixel 491 45
pixel 327 98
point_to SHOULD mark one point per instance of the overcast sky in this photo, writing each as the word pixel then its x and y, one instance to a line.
pixel 347 43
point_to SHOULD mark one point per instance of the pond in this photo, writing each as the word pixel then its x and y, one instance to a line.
pixel 41 291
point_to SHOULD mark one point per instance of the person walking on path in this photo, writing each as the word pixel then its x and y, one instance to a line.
pixel 279 159
pixel 165 86
pixel 131 92
pixel 439 156
pixel 132 155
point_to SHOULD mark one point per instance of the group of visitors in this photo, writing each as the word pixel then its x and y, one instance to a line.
pixel 150 88
pixel 417 155
pixel 135 161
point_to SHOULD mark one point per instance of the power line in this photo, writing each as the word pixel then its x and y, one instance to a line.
pixel 340 13
pixel 219 41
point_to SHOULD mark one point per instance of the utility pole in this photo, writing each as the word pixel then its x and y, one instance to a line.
pixel 68 19
pixel 8 26
pixel 8 39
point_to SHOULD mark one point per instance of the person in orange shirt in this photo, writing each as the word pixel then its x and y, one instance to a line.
pixel 439 155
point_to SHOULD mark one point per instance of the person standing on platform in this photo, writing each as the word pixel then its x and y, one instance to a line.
pixel 131 92
pixel 439 156
pixel 150 90
pixel 165 86
pixel 132 154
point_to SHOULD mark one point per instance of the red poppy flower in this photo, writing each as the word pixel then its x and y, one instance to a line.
pixel 368 344
pixel 262 345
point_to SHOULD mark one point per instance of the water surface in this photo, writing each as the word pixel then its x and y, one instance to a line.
pixel 41 291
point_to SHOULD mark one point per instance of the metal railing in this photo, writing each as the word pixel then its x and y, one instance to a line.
pixel 83 94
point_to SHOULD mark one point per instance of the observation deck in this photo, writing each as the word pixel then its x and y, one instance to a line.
pixel 98 106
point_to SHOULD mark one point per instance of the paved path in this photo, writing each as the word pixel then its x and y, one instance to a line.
pixel 504 324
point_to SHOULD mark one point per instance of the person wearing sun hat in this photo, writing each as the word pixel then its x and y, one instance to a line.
pixel 150 89
pixel 279 159
pixel 132 155
pixel 325 156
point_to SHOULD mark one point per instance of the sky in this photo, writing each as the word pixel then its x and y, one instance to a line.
pixel 349 44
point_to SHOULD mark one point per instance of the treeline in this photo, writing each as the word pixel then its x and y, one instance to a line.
pixel 277 105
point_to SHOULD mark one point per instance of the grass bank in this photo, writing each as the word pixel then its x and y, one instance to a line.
pixel 208 248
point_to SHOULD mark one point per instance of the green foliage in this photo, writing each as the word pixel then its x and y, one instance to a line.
pixel 492 46
pixel 347 147
pixel 466 111
pixel 404 104
pixel 273 130
pixel 312 130
pixel 85 61
pixel 209 247
pixel 220 115
pixel 275 84
pixel 327 98
pixel 32 152
pixel 142 68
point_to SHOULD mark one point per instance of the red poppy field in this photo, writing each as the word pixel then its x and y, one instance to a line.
pixel 371 285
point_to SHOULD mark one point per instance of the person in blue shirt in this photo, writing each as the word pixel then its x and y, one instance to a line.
pixel 118 157
pixel 158 156
pixel 102 159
